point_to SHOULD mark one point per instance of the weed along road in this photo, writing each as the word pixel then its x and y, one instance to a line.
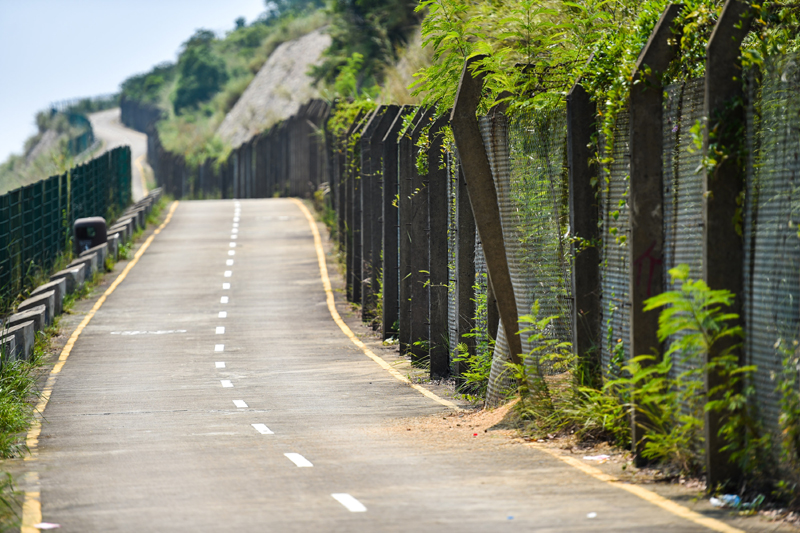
pixel 213 391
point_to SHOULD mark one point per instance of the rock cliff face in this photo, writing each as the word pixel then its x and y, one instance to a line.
pixel 278 90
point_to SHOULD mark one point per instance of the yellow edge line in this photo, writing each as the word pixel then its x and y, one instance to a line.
pixel 32 507
pixel 643 493
pixel 326 283
pixel 141 174
pixel 637 490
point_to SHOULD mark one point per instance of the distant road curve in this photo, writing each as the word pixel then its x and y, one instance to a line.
pixel 108 128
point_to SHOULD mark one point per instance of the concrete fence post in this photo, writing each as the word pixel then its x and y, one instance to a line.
pixel 723 248
pixel 464 267
pixel 584 215
pixel 646 245
pixel 438 207
pixel 483 198
pixel 420 248
pixel 391 224
pixel 406 179
pixel 368 215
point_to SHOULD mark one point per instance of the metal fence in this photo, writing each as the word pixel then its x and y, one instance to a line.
pixel 771 218
pixel 408 236
pixel 36 220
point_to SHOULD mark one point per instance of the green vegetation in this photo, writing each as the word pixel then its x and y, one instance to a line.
pixel 211 74
pixel 372 30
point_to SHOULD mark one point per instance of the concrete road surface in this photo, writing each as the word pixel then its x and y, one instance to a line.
pixel 213 392
pixel 113 133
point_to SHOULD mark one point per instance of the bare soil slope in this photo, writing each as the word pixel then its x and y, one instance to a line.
pixel 278 90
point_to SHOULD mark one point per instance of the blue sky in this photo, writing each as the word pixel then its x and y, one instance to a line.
pixel 53 50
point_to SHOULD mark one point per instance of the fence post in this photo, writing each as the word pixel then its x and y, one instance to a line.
pixel 354 221
pixel 723 248
pixel 420 250
pixel 391 223
pixel 405 177
pixel 389 114
pixel 438 207
pixel 368 216
pixel 646 246
pixel 583 220
pixel 483 198
pixel 464 267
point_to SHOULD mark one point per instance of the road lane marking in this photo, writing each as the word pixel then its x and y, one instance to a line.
pixel 222 314
pixel 299 460
pixel 226 286
pixel 219 364
pixel 231 252
pixel 326 284
pixel 234 236
pixel 31 507
pixel 235 224
pixel 236 219
pixel 226 383
pixel 219 347
pixel 232 244
pixel 228 273
pixel 234 230
pixel 223 300
pixel 239 403
pixel 229 262
pixel 220 330
pixel 159 332
pixel 261 428
pixel 350 503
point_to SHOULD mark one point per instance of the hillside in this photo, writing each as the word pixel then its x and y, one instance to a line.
pixel 281 86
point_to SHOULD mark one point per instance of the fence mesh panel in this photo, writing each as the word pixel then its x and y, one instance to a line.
pixel 539 194
pixel 614 294
pixel 772 215
pixel 682 187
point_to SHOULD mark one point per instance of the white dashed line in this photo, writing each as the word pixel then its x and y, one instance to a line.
pixel 231 252
pixel 220 330
pixel 229 262
pixel 234 236
pixel 223 314
pixel 240 404
pixel 299 460
pixel 352 505
pixel 219 364
pixel 226 383
pixel 235 224
pixel 223 300
pixel 261 428
pixel 219 347
pixel 232 244
pixel 234 230
pixel 228 273
pixel 226 286
pixel 236 219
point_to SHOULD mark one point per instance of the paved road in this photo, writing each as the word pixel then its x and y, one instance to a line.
pixel 144 430
pixel 113 133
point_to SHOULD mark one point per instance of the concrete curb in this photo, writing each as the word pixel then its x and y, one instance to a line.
pixel 18 331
